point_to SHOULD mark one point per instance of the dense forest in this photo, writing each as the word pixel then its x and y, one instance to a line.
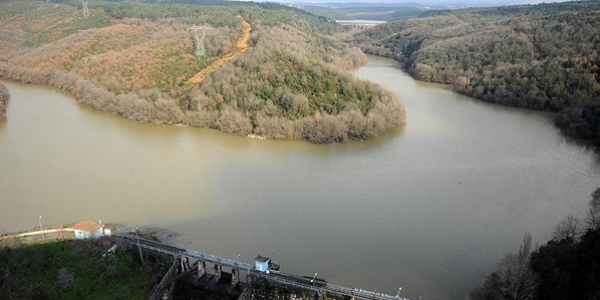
pixel 567 267
pixel 267 70
pixel 543 57
pixel 4 96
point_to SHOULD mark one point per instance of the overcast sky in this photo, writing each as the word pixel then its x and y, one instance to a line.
pixel 437 2
pixel 505 2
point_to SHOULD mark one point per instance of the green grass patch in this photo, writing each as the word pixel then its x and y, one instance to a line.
pixel 71 270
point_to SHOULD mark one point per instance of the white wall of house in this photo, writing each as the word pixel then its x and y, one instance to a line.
pixel 82 234
pixel 79 234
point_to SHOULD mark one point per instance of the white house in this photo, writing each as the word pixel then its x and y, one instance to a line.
pixel 87 230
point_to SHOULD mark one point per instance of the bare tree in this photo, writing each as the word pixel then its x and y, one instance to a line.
pixel 514 279
pixel 593 218
pixel 569 228
pixel 520 281
pixel 232 121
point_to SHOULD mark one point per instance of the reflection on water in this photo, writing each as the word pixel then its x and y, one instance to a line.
pixel 429 207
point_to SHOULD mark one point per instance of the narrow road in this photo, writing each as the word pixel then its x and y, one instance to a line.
pixel 240 47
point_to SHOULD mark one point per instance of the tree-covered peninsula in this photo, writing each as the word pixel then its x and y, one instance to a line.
pixel 543 57
pixel 244 68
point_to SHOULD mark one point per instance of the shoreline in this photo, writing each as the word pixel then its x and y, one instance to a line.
pixel 587 143
pixel 4 98
pixel 321 128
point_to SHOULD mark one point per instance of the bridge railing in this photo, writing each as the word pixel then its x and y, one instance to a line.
pixel 357 293
pixel 360 293
pixel 282 278
pixel 217 260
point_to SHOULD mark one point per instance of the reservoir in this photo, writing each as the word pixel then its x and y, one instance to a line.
pixel 430 207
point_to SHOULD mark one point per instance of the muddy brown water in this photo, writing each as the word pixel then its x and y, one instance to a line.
pixel 430 207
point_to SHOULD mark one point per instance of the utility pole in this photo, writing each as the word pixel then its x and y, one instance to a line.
pixel 139 248
pixel 86 11
pixel 199 41
pixel 312 281
pixel 41 229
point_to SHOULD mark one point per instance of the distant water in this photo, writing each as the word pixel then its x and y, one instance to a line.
pixel 360 21
pixel 430 207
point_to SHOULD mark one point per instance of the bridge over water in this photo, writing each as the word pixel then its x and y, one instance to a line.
pixel 182 258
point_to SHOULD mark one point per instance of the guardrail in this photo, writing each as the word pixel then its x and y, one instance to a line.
pixel 280 280
pixel 353 292
pixel 156 293
pixel 217 260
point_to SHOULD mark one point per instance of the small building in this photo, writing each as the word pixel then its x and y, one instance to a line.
pixel 261 263
pixel 88 230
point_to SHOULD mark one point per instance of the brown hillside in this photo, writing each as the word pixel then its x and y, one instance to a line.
pixel 241 46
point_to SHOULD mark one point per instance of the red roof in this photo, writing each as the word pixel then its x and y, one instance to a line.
pixel 87 226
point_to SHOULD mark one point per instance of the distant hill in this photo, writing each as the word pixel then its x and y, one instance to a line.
pixel 544 57
pixel 262 70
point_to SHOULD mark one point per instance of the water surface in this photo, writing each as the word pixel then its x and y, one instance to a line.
pixel 430 207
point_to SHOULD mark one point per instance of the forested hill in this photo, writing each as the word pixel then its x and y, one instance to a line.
pixel 544 57
pixel 249 69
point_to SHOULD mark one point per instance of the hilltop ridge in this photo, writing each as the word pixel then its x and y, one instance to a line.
pixel 135 60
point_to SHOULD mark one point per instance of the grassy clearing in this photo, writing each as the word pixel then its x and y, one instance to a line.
pixel 72 270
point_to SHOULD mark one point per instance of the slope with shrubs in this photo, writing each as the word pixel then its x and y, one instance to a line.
pixel 136 60
pixel 543 57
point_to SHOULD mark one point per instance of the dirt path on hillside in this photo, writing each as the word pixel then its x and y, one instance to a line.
pixel 240 47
